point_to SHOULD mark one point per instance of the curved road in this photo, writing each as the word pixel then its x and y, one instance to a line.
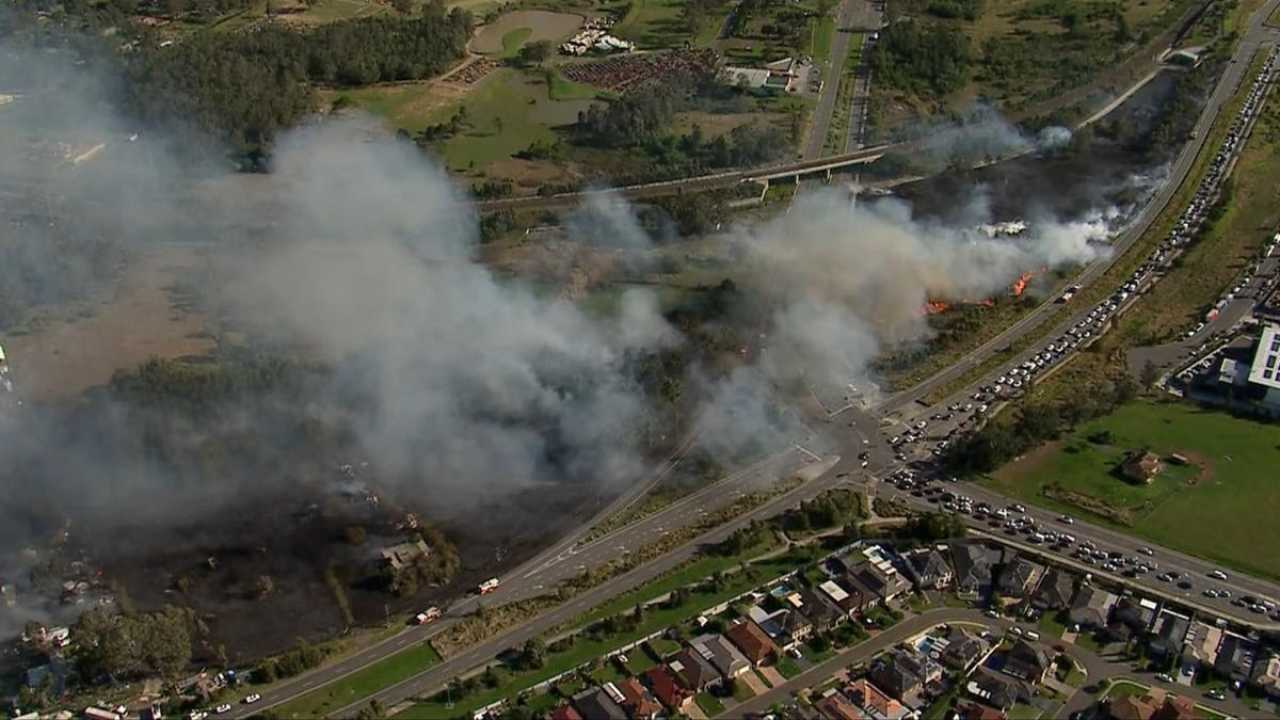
pixel 1096 668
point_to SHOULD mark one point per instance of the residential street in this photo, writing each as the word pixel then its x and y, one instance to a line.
pixel 1096 668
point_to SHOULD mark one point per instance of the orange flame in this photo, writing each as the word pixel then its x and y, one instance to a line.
pixel 933 307
pixel 1020 285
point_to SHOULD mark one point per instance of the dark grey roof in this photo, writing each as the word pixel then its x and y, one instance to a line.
pixel 1055 590
pixel 1017 575
pixel 595 703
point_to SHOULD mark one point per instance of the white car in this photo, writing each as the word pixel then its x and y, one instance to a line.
pixel 223 708
pixel 1218 575
pixel 197 715
pixel 251 699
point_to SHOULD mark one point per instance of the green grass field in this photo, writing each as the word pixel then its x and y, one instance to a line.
pixel 398 667
pixel 512 41
pixel 507 112
pixel 563 89
pixel 1225 513
pixel 654 24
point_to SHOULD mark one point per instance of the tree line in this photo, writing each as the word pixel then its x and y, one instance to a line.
pixel 246 86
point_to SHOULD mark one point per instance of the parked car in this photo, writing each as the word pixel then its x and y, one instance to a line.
pixel 222 709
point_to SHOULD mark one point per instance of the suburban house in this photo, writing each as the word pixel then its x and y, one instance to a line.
pixel 1266 674
pixel 1201 648
pixel 754 642
pixel 596 704
pixel 787 627
pixel 928 568
pixel 1019 578
pixel 904 674
pixel 1167 634
pixel 1141 466
pixel 1235 657
pixel 1026 661
pixel 850 598
pixel 1055 591
pixel 667 688
pixel 565 712
pixel 876 704
pixel 693 671
pixel 881 578
pixel 822 613
pixel 639 703
pixel 997 691
pixel 1137 614
pixel 963 650
pixel 1155 704
pixel 717 650
pixel 975 566
pixel 1091 607
pixel 837 707
pixel 398 557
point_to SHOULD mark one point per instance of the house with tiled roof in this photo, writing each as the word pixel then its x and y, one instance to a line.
pixel 723 656
pixel 1266 674
pixel 875 703
pixel 1019 578
pixel 1091 607
pixel 666 687
pixel 929 569
pixel 694 672
pixel 975 566
pixel 596 704
pixel 754 642
pixel 963 650
pixel 1026 661
pixel 837 707
pixel 565 712
pixel 639 703
pixel 1055 591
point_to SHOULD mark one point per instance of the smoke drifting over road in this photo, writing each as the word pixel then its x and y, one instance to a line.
pixel 850 277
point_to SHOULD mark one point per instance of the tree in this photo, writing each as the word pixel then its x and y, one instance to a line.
pixel 1150 374
pixel 534 654
pixel 404 7
pixel 535 53
pixel 373 711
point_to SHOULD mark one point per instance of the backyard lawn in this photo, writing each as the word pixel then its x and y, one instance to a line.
pixel 1222 510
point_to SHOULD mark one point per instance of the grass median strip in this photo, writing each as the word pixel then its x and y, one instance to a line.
pixel 361 684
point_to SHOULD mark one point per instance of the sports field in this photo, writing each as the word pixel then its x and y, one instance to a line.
pixel 1222 507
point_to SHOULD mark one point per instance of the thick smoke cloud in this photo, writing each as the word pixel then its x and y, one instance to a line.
pixel 850 277
pixel 471 381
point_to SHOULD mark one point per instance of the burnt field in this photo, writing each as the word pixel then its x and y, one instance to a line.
pixel 252 506
pixel 302 544
pixel 1105 168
